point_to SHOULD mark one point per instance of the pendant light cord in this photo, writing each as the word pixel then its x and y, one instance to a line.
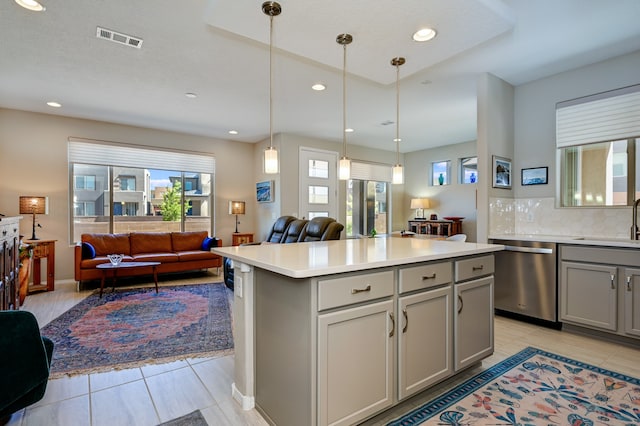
pixel 344 101
pixel 271 82
pixel 398 114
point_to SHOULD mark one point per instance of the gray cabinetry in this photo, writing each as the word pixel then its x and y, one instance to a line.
pixel 425 333
pixel 473 317
pixel 588 294
pixel 631 301
pixel 355 363
pixel 600 289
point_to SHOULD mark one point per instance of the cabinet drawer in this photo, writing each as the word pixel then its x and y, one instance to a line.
pixel 475 267
pixel 354 289
pixel 425 276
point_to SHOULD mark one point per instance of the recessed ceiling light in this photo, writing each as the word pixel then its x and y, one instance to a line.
pixel 349 130
pixel 233 132
pixel 54 104
pixel 191 95
pixel 424 34
pixel 31 5
pixel 318 86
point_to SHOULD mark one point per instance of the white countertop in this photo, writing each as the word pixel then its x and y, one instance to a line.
pixel 568 239
pixel 303 260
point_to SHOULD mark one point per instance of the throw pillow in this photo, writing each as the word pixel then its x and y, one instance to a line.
pixel 88 251
pixel 207 243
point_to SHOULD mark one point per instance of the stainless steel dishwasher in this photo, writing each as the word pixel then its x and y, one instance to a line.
pixel 526 281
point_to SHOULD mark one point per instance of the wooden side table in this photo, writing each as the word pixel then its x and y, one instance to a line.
pixel 239 238
pixel 43 249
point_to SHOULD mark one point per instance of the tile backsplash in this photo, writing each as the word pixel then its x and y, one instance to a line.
pixel 540 216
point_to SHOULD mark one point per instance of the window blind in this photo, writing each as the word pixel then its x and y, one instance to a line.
pixel 102 153
pixel 371 171
pixel 603 117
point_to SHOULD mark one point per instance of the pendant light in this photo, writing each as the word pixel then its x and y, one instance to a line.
pixel 344 169
pixel 398 170
pixel 271 9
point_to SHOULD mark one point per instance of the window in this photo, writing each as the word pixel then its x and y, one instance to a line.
pixel 596 141
pixel 134 192
pixel 127 183
pixel 367 207
pixel 318 194
pixel 469 170
pixel 85 182
pixel 441 171
pixel 318 169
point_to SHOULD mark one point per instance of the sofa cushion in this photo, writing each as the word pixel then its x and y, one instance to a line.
pixel 88 251
pixel 150 242
pixel 105 244
pixel 156 257
pixel 186 256
pixel 182 241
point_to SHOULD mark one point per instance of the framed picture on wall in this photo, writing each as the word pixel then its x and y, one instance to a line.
pixel 501 172
pixel 264 191
pixel 535 176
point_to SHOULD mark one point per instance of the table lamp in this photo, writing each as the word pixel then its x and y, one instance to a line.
pixel 236 207
pixel 419 204
pixel 34 205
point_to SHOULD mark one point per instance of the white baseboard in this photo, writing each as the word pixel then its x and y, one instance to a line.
pixel 247 402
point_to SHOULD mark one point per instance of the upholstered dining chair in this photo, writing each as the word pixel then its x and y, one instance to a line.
pixel 25 358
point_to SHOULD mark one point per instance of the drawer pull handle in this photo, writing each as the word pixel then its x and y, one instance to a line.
pixel 478 268
pixel 406 320
pixel 629 283
pixel 393 324
pixel 461 304
pixel 360 290
pixel 430 277
pixel 613 277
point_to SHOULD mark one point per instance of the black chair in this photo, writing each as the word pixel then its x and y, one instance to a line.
pixel 25 358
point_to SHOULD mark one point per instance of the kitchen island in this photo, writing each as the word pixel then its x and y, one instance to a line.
pixel 335 332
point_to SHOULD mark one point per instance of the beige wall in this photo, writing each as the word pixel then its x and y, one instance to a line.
pixel 33 161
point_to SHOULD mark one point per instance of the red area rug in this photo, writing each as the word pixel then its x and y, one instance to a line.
pixel 134 327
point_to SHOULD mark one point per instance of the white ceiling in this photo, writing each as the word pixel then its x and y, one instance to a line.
pixel 218 49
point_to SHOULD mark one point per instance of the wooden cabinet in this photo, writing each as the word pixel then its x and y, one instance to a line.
pixel 588 294
pixel 9 263
pixel 238 238
pixel 43 249
pixel 600 289
pixel 355 363
pixel 436 227
pixel 473 317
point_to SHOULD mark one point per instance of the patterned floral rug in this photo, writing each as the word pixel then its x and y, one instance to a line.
pixel 535 387
pixel 134 327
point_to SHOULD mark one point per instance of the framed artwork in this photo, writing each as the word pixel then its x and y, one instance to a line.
pixel 501 172
pixel 264 191
pixel 535 176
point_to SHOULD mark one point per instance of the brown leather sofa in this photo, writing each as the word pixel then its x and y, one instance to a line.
pixel 176 252
pixel 288 229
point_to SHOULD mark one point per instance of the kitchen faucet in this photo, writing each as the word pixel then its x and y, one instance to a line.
pixel 634 221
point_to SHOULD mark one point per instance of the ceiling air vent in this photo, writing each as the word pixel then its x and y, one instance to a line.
pixel 117 37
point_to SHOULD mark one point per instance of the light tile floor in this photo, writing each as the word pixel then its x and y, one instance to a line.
pixel 158 393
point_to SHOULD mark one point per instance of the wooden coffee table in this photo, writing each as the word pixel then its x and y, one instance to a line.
pixel 122 265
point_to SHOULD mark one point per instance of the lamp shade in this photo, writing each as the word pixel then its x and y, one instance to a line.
pixel 420 203
pixel 33 204
pixel 236 207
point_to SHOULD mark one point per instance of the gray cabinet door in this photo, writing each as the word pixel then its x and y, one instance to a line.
pixel 425 340
pixel 632 301
pixel 473 321
pixel 588 295
pixel 355 363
